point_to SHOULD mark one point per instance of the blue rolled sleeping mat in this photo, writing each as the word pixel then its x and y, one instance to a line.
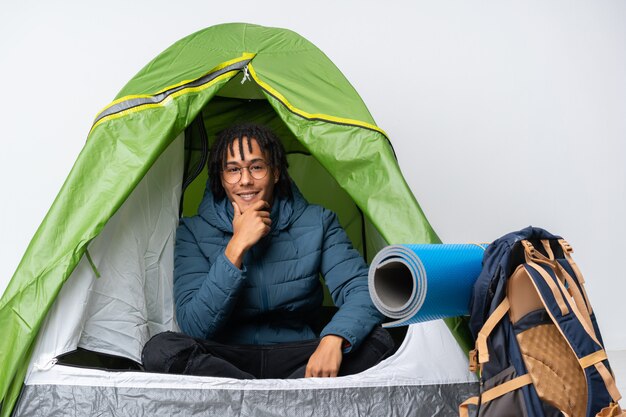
pixel 417 283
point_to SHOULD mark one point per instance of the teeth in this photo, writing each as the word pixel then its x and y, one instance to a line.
pixel 247 196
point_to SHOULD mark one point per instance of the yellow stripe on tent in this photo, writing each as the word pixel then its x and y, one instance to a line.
pixel 320 116
pixel 245 56
pixel 165 100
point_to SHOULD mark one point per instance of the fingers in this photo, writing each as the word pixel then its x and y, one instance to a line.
pixel 258 209
pixel 236 209
pixel 260 205
pixel 321 372
pixel 326 360
pixel 263 213
pixel 251 224
pixel 264 216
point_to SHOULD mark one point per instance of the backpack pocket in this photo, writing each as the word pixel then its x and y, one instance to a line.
pixel 510 404
pixel 553 367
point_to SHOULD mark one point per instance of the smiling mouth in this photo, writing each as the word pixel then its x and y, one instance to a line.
pixel 248 195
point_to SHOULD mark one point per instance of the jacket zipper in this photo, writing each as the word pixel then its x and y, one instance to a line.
pixel 262 287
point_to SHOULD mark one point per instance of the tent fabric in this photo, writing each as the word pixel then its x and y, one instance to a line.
pixel 321 111
pixel 114 304
pixel 132 299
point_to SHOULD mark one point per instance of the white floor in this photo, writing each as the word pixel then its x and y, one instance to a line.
pixel 617 359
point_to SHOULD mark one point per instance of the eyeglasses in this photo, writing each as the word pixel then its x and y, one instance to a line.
pixel 258 170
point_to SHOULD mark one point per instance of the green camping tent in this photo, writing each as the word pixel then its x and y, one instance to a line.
pixel 201 84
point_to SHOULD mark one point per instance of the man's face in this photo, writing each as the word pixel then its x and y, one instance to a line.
pixel 248 189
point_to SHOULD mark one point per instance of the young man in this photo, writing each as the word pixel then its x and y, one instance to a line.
pixel 246 279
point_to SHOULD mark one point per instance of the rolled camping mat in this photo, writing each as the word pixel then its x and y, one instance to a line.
pixel 416 283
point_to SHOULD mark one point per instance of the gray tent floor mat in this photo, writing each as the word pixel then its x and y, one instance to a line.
pixel 384 401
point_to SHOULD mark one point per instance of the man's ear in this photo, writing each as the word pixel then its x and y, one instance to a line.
pixel 276 175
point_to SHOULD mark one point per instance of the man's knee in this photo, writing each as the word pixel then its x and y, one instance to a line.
pixel 165 352
pixel 382 342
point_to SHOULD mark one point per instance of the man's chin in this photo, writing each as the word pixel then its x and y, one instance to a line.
pixel 245 204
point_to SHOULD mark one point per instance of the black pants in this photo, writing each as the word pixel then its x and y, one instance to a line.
pixel 178 353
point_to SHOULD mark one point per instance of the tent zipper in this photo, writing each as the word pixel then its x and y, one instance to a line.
pixel 133 103
pixel 246 75
pixel 46 366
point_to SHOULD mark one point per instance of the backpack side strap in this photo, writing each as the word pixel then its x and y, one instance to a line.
pixel 613 410
pixel 495 392
pixel 609 381
pixel 567 250
pixel 595 359
pixel 464 407
pixel 490 324
pixel 505 388
pixel 592 359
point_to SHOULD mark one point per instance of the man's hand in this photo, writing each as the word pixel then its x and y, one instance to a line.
pixel 326 359
pixel 248 228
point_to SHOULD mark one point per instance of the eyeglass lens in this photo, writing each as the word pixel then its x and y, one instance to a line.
pixel 232 174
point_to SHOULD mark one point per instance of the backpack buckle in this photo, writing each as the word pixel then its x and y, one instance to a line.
pixel 529 248
pixel 473 360
pixel 566 246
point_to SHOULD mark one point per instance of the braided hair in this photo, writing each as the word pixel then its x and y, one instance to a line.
pixel 270 146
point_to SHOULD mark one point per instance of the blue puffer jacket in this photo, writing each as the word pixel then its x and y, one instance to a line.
pixel 278 292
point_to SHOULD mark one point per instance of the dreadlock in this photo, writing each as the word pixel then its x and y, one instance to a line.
pixel 270 146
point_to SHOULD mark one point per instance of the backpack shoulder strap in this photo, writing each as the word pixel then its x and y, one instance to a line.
pixel 555 277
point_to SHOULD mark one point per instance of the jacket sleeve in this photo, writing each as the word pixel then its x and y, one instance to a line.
pixel 205 293
pixel 345 273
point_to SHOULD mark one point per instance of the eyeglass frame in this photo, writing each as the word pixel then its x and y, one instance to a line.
pixel 267 170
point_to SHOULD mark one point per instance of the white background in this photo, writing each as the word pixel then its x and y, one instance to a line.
pixel 503 113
